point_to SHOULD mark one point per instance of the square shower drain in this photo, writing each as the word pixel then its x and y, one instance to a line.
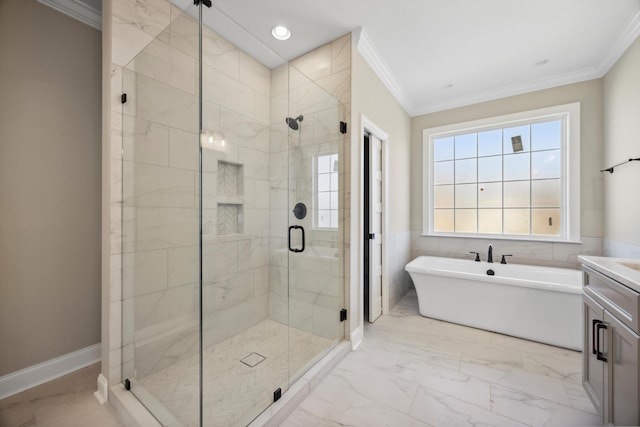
pixel 253 359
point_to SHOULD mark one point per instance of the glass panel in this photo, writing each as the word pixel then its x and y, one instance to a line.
pixel 546 193
pixel 245 333
pixel 516 167
pixel 443 173
pixel 324 182
pixel 160 260
pixel 545 164
pixel 443 196
pixel 324 164
pixel 324 200
pixel 516 221
pixel 465 146
pixel 547 135
pixel 490 169
pixel 490 142
pixel 510 141
pixel 465 171
pixel 466 196
pixel 490 195
pixel 490 221
pixel 466 220
pixel 442 149
pixel 546 221
pixel 316 275
pixel 516 194
pixel 443 220
pixel 334 199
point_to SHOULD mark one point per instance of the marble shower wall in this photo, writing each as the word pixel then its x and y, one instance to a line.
pixel 314 293
pixel 155 143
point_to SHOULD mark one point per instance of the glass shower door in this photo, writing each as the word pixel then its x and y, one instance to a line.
pixel 316 222
pixel 244 358
pixel 160 221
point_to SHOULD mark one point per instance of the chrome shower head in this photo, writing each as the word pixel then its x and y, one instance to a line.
pixel 293 123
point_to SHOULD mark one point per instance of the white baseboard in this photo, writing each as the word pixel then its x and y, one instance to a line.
pixel 356 338
pixel 102 389
pixel 32 376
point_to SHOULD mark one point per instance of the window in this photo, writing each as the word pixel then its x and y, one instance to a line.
pixel 327 191
pixel 514 176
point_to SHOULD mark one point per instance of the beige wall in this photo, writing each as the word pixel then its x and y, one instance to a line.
pixel 49 184
pixel 622 141
pixel 589 94
pixel 373 100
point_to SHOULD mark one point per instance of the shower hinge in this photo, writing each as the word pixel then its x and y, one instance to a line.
pixel 277 394
pixel 343 314
pixel 127 384
pixel 343 127
pixel 204 2
pixel 123 98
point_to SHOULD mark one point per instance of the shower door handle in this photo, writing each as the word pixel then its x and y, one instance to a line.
pixel 296 227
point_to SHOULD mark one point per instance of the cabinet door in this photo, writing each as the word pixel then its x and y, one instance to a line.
pixel 622 375
pixel 592 368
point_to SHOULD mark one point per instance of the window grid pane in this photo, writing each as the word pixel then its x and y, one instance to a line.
pixel 518 179
pixel 327 191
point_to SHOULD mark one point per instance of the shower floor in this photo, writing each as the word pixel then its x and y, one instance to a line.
pixel 233 392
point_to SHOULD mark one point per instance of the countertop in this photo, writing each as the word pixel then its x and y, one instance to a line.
pixel 615 269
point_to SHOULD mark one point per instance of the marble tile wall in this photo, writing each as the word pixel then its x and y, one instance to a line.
pixel 399 255
pixel 564 255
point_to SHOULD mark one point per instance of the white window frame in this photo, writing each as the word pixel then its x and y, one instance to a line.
pixel 570 113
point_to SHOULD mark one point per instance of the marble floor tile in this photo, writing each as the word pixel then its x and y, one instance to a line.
pixel 536 411
pixel 457 375
pixel 337 403
pixel 409 371
pixel 66 401
pixel 439 409
pixel 233 393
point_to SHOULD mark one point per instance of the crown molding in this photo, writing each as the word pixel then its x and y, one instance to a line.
pixel 512 90
pixel 620 46
pixel 379 67
pixel 82 10
pixel 375 61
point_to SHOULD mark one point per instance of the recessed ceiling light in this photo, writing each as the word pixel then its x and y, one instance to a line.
pixel 543 62
pixel 448 85
pixel 280 32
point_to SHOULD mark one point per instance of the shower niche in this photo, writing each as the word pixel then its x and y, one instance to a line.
pixel 230 212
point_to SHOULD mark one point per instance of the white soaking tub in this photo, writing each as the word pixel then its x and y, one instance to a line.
pixel 536 303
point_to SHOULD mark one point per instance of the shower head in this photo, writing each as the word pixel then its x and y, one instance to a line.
pixel 293 123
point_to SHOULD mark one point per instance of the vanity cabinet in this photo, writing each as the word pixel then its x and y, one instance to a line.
pixel 611 353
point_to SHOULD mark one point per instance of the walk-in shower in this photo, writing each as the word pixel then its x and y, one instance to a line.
pixel 221 309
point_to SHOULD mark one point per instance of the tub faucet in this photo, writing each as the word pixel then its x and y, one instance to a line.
pixel 490 255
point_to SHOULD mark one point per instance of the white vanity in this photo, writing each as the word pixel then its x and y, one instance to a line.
pixel 611 327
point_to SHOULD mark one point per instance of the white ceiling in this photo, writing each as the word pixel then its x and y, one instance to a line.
pixel 440 54
pixel 486 49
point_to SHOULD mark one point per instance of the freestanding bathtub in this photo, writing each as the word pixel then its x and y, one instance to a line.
pixel 536 303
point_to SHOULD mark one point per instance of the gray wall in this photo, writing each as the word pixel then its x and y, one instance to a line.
pixel 50 124
pixel 622 141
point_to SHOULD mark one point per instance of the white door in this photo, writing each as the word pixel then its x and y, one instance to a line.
pixel 375 228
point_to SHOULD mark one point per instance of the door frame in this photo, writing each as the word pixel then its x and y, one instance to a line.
pixel 357 230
